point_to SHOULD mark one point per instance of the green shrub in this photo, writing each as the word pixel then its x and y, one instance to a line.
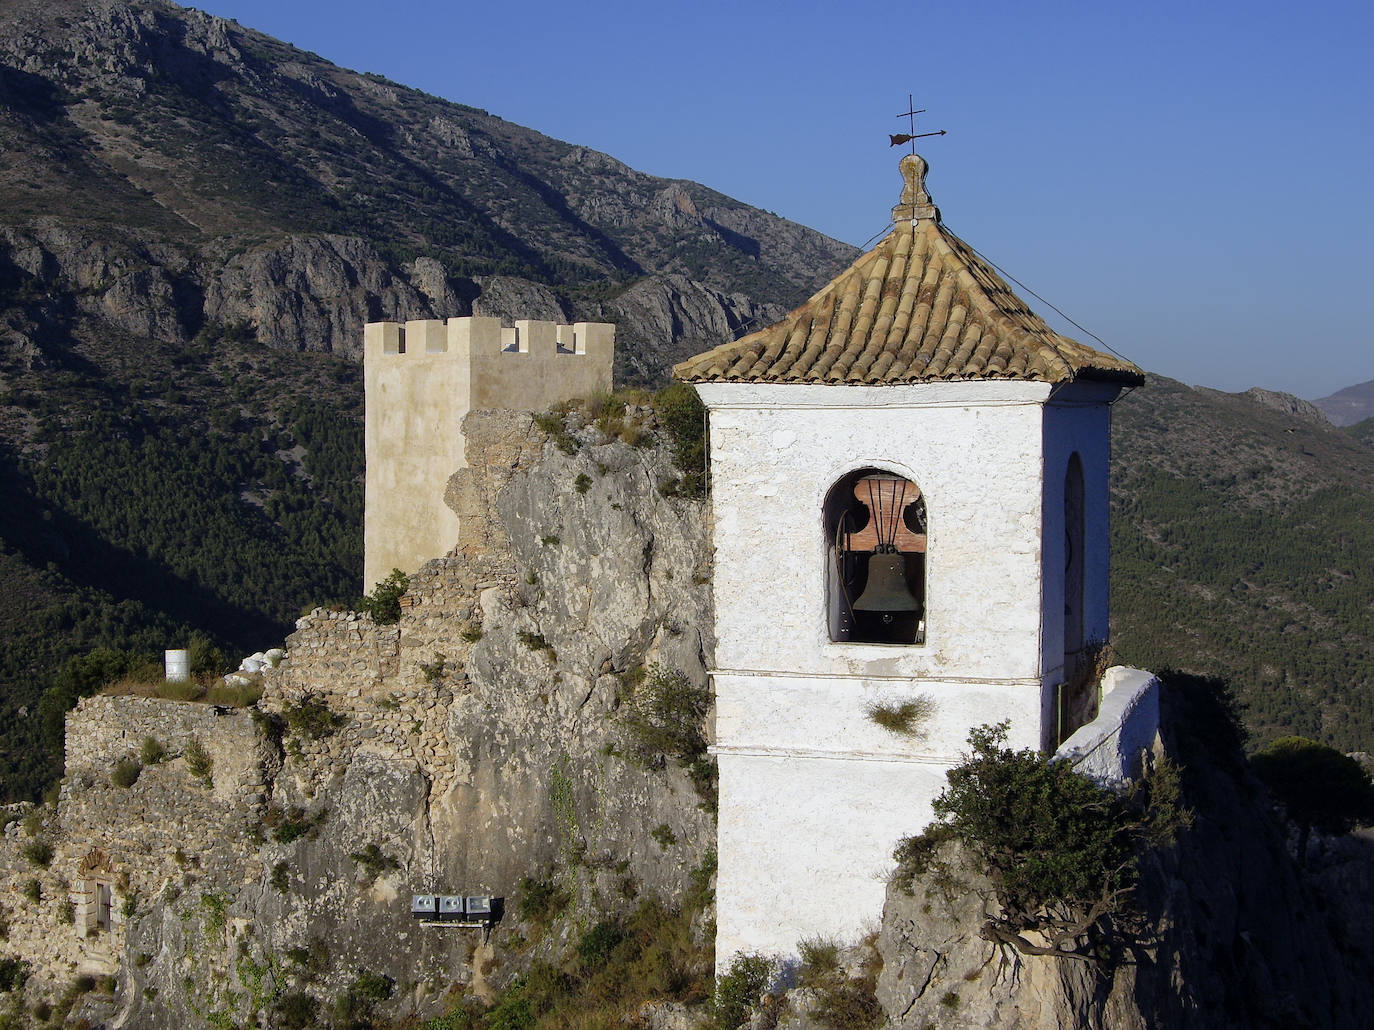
pixel 312 718
pixel 541 901
pixel 126 772
pixel 664 835
pixel 198 761
pixel 596 945
pixel 281 878
pixel 14 973
pixel 296 824
pixel 38 852
pixel 740 989
pixel 1060 851
pixel 384 603
pixel 1320 787
pixel 205 658
pixel 663 718
pixel 435 670
pixel 374 860
pixel 683 415
pixel 151 752
pixel 582 483
pixel 33 890
pixel 820 957
pixel 536 642
pixel 296 1010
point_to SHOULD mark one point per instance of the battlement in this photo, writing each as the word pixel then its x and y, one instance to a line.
pixel 420 378
pixel 478 336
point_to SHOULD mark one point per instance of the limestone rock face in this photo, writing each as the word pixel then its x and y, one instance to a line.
pixel 474 747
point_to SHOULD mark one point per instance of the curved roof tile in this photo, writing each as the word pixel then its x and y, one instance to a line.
pixel 919 307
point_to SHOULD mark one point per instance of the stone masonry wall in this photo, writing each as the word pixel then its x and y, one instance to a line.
pixel 162 831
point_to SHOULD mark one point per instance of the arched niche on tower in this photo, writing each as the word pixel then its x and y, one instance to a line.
pixel 874 521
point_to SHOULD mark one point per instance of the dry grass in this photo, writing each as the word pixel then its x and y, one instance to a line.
pixel 207 689
pixel 908 719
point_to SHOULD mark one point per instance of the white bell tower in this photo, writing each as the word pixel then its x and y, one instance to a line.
pixel 909 493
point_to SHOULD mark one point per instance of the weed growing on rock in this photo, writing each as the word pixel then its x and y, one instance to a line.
pixel 312 718
pixel 215 910
pixel 536 642
pixel 33 890
pixel 682 414
pixel 740 988
pixel 126 772
pixel 38 852
pixel 553 424
pixel 374 860
pixel 292 826
pixel 13 974
pixel 582 483
pixel 541 901
pixel 151 752
pixel 281 878
pixel 434 670
pixel 198 761
pixel 663 719
pixel 664 835
pixel 384 603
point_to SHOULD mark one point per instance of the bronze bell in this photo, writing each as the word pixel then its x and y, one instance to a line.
pixel 886 590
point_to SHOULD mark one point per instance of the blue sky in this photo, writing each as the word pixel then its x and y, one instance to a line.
pixel 1189 181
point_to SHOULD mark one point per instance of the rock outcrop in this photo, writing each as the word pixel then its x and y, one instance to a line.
pixel 476 746
pixel 1236 935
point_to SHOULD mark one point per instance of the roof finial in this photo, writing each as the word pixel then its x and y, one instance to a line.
pixel 915 202
pixel 911 137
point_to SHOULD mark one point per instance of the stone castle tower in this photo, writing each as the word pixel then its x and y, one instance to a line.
pixel 420 379
pixel 909 494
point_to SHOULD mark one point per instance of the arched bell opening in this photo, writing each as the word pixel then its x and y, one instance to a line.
pixel 875 532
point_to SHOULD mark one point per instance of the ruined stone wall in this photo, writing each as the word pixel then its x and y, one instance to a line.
pixel 164 831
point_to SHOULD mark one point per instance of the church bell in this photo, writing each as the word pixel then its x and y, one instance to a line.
pixel 886 590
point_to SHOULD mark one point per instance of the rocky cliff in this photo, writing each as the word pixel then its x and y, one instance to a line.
pixel 1235 934
pixel 479 745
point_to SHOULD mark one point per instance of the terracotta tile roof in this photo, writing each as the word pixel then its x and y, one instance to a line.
pixel 919 307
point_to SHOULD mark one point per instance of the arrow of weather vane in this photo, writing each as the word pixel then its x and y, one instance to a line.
pixel 910 115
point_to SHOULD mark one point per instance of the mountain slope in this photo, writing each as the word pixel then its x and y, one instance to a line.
pixel 195 222
pixel 1348 406
pixel 1242 547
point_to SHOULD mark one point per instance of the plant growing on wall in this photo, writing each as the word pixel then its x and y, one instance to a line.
pixel 905 718
pixel 198 761
pixel 384 603
pixel 1059 851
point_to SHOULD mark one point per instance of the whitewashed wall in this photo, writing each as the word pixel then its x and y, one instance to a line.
pixel 814 796
pixel 1109 748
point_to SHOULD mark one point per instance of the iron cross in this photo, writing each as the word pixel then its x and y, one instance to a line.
pixel 910 115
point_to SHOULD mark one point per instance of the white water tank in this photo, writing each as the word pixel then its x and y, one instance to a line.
pixel 178 664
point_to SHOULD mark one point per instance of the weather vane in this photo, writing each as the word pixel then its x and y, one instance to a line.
pixel 910 115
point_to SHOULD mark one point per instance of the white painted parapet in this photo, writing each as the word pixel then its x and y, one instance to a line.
pixel 1109 748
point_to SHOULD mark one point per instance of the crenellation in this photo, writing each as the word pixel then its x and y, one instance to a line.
pixel 421 379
